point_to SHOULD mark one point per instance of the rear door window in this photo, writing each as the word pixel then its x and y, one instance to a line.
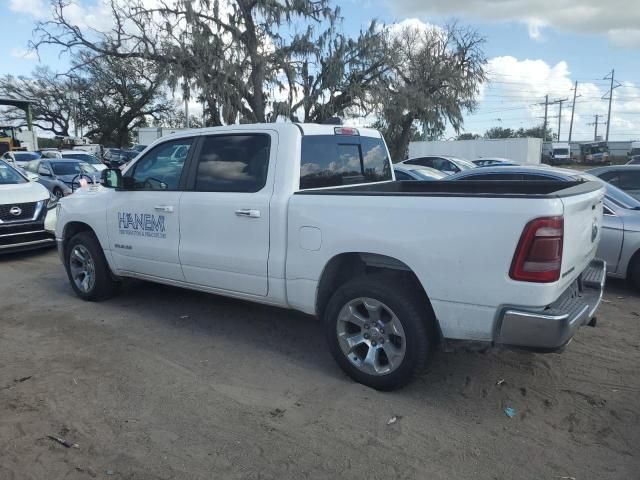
pixel 334 160
pixel 234 163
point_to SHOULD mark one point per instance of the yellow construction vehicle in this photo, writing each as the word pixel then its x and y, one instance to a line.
pixel 9 134
pixel 8 140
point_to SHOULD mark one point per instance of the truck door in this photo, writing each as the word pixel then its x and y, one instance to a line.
pixel 143 218
pixel 224 221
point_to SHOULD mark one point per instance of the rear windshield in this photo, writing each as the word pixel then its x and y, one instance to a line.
pixel 334 160
pixel 85 157
pixel 71 168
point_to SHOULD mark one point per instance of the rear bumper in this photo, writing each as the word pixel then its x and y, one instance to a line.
pixel 551 328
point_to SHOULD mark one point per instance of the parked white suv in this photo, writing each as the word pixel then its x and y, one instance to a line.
pixel 308 217
pixel 27 212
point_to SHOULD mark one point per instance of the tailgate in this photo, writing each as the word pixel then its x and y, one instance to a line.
pixel 582 225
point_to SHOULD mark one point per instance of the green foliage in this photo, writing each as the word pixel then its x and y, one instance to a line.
pixel 53 100
pixel 118 95
pixel 468 136
pixel 534 132
pixel 434 76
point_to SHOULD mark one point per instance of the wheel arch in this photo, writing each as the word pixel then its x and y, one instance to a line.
pixel 71 229
pixel 345 266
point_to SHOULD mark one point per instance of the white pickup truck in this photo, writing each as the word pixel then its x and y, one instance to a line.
pixel 309 217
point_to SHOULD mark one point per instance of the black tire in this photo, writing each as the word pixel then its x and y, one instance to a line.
pixel 633 271
pixel 410 309
pixel 104 286
pixel 58 193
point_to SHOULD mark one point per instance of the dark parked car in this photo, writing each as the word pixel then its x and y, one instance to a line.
pixel 62 175
pixel 493 162
pixel 116 157
pixel 625 177
pixel 446 164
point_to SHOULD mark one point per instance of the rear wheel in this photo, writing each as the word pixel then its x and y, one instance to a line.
pixel 380 333
pixel 633 272
pixel 87 268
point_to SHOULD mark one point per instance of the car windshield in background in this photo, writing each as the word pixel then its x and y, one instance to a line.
pixel 25 156
pixel 561 151
pixel 9 175
pixel 634 152
pixel 621 198
pixel 464 164
pixel 71 168
pixel 428 174
pixel 85 157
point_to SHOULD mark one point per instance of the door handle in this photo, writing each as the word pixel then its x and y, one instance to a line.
pixel 164 208
pixel 248 212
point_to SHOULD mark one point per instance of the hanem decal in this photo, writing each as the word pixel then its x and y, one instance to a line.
pixel 142 225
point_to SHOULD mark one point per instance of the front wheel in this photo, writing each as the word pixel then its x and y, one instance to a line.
pixel 87 268
pixel 381 334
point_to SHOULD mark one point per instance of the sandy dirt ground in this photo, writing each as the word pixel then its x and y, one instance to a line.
pixel 161 383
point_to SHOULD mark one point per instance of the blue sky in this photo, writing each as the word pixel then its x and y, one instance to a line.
pixel 534 47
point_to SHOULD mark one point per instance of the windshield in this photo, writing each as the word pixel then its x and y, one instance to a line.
pixel 85 157
pixel 621 198
pixel 464 164
pixel 10 176
pixel 71 168
pixel 429 173
pixel 634 151
pixel 561 151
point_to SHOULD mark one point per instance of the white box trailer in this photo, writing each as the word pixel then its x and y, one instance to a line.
pixel 525 151
pixel 148 135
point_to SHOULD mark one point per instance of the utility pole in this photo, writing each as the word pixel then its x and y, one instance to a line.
pixel 546 107
pixel 610 99
pixel 595 133
pixel 544 128
pixel 560 115
pixel 573 109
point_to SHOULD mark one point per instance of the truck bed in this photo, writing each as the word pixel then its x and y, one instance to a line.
pixel 463 188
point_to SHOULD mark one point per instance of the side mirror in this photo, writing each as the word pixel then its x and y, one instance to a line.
pixel 45 172
pixel 111 178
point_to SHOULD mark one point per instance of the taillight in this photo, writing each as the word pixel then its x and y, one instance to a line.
pixel 345 131
pixel 538 257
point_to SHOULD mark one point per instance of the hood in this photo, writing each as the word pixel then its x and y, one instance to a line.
pixel 23 193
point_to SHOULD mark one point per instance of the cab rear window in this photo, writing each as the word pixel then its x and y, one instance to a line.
pixel 334 160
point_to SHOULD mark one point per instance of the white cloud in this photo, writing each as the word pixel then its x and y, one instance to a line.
pixel 523 84
pixel 618 19
pixel 35 8
pixel 535 27
pixel 23 54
